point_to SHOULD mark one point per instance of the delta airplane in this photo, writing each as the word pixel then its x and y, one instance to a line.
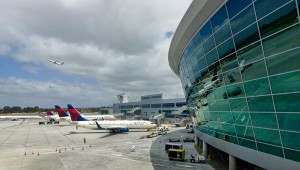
pixel 114 126
pixel 50 115
pixel 93 117
pixel 20 117
pixel 56 62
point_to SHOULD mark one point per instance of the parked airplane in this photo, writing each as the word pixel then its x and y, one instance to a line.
pixel 92 117
pixel 20 117
pixel 50 115
pixel 114 126
pixel 56 62
pixel 62 114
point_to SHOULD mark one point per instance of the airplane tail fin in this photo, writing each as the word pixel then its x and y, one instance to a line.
pixel 61 112
pixel 75 115
pixel 49 113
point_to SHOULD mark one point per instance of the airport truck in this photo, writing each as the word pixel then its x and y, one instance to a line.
pixel 176 154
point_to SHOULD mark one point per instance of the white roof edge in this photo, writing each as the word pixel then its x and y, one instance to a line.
pixel 196 15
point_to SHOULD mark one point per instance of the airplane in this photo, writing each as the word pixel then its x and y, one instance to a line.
pixel 20 117
pixel 114 125
pixel 92 117
pixel 56 62
pixel 62 114
pixel 50 115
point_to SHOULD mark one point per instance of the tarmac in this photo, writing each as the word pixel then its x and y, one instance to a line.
pixel 26 145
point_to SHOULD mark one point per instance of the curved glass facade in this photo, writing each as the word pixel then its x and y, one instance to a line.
pixel 241 71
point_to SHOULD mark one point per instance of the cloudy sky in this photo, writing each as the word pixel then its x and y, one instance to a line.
pixel 108 47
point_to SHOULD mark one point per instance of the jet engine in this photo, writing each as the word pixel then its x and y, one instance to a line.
pixel 124 129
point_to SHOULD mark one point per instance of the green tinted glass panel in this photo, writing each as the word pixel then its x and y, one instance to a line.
pixel 273 150
pixel 207 116
pixel 280 42
pixel 223 105
pixel 257 87
pixel 242 20
pixel 226 48
pixel 289 121
pixel 218 127
pixel 246 37
pixel 287 102
pixel 267 136
pixel 211 95
pixel 292 154
pixel 247 143
pixel 236 90
pixel 249 54
pixel 267 120
pixel 264 7
pixel 290 139
pixel 278 20
pixel 244 132
pixel 286 83
pixel 232 76
pixel 229 129
pixel 229 62
pixel 214 116
pixel 263 103
pixel 241 118
pixel 219 92
pixel 222 34
pixel 238 104
pixel 220 136
pixel 226 117
pixel 231 139
pixel 209 44
pixel 254 70
pixel 213 106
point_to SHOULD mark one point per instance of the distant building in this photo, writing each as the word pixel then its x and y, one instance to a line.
pixel 107 110
pixel 150 106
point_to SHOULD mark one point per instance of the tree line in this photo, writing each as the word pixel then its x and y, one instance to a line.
pixel 36 109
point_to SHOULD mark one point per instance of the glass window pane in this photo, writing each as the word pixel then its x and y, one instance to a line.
pixel 199 52
pixel 267 120
pixel 285 83
pixel 202 63
pixel 235 6
pixel 281 42
pixel 289 121
pixel 244 132
pixel 278 20
pixel 232 76
pixel 219 19
pixel 205 31
pixel 222 34
pixel 238 104
pixel 257 87
pixel 254 70
pixel 231 139
pixel 249 54
pixel 241 118
pixel 263 103
pixel 242 20
pixel 229 129
pixel 246 37
pixel 247 143
pixel 264 7
pixel 213 106
pixel 270 149
pixel 290 139
pixel 209 44
pixel 226 48
pixel 214 116
pixel 229 63
pixel 207 116
pixel 267 136
pixel 236 90
pixel 226 117
pixel 212 57
pixel 287 102
pixel 292 155
pixel 223 105
pixel 219 92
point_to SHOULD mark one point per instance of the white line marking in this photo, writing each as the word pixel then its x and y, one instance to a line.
pixel 188 166
pixel 116 155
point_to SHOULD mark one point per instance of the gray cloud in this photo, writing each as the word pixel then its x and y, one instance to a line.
pixel 120 44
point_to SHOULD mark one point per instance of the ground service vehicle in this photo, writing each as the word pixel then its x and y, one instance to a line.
pixel 176 154
pixel 172 146
pixel 200 159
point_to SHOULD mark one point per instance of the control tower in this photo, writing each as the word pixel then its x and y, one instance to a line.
pixel 123 98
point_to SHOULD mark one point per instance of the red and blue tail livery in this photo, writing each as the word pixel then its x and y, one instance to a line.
pixel 75 115
pixel 49 113
pixel 61 112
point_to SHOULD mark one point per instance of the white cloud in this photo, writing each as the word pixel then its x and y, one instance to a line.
pixel 121 44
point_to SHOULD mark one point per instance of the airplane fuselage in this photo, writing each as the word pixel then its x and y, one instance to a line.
pixel 132 124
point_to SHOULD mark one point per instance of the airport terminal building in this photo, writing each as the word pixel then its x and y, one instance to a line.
pixel 239 65
pixel 150 106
